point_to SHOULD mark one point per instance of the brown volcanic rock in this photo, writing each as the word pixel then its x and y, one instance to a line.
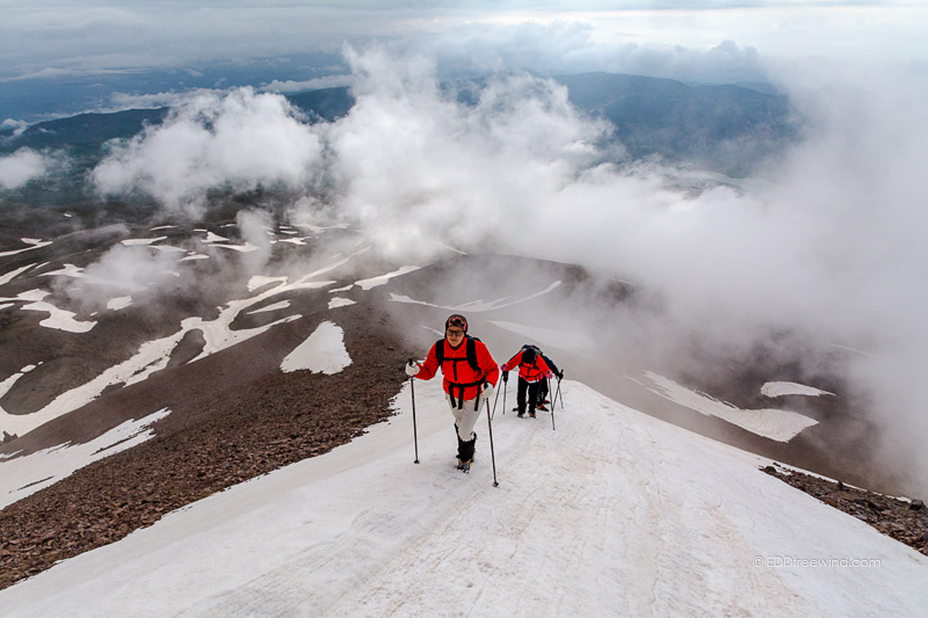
pixel 904 520
pixel 234 416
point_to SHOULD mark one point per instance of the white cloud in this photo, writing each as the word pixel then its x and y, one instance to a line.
pixel 22 166
pixel 134 268
pixel 254 226
pixel 317 83
pixel 122 100
pixel 240 140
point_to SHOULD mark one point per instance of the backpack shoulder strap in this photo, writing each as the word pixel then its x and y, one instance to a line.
pixel 472 353
pixel 470 350
pixel 440 351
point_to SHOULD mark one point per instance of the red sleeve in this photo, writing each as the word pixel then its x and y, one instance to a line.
pixel 542 365
pixel 486 363
pixel 429 368
pixel 513 362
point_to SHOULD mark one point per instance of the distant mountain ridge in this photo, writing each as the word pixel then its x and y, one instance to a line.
pixel 727 129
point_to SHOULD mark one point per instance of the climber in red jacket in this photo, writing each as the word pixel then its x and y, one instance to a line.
pixel 532 370
pixel 469 376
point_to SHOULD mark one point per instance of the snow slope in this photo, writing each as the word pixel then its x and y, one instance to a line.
pixel 614 513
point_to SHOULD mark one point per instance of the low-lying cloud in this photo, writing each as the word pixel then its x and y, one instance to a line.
pixel 25 165
pixel 239 140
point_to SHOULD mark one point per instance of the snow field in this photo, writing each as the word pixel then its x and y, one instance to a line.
pixel 615 513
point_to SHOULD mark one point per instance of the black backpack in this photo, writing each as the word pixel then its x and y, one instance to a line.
pixel 470 342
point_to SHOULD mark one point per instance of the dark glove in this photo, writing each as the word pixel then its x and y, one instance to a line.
pixel 560 376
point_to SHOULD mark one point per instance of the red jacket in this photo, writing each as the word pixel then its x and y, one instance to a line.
pixel 457 372
pixel 530 372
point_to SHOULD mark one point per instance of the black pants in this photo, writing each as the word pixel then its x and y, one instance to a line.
pixel 542 389
pixel 532 389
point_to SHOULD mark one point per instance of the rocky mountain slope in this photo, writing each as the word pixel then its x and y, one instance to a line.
pixel 234 414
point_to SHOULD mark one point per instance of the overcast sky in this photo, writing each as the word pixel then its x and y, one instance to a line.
pixel 53 38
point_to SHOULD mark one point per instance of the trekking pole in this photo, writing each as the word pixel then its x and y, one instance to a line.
pixel 496 401
pixel 505 385
pixel 558 393
pixel 492 452
pixel 415 431
pixel 553 406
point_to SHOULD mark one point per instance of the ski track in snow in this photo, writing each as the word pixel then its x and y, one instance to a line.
pixel 615 513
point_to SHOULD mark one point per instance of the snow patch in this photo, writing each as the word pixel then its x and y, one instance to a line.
pixel 322 352
pixel 299 242
pixel 7 277
pixel 781 389
pixel 338 301
pixel 779 425
pixel 23 476
pixel 153 355
pixel 115 304
pixel 7 384
pixel 373 282
pixel 58 318
pixel 33 244
pixel 168 249
pixel 194 256
pixel 134 242
pixel 215 240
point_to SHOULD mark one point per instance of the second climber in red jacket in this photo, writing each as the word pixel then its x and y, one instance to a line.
pixel 469 376
pixel 532 370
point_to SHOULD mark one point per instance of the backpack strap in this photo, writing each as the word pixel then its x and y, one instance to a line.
pixel 440 351
pixel 470 357
pixel 470 349
pixel 472 353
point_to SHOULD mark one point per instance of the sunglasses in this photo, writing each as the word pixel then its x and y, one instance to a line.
pixel 455 332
